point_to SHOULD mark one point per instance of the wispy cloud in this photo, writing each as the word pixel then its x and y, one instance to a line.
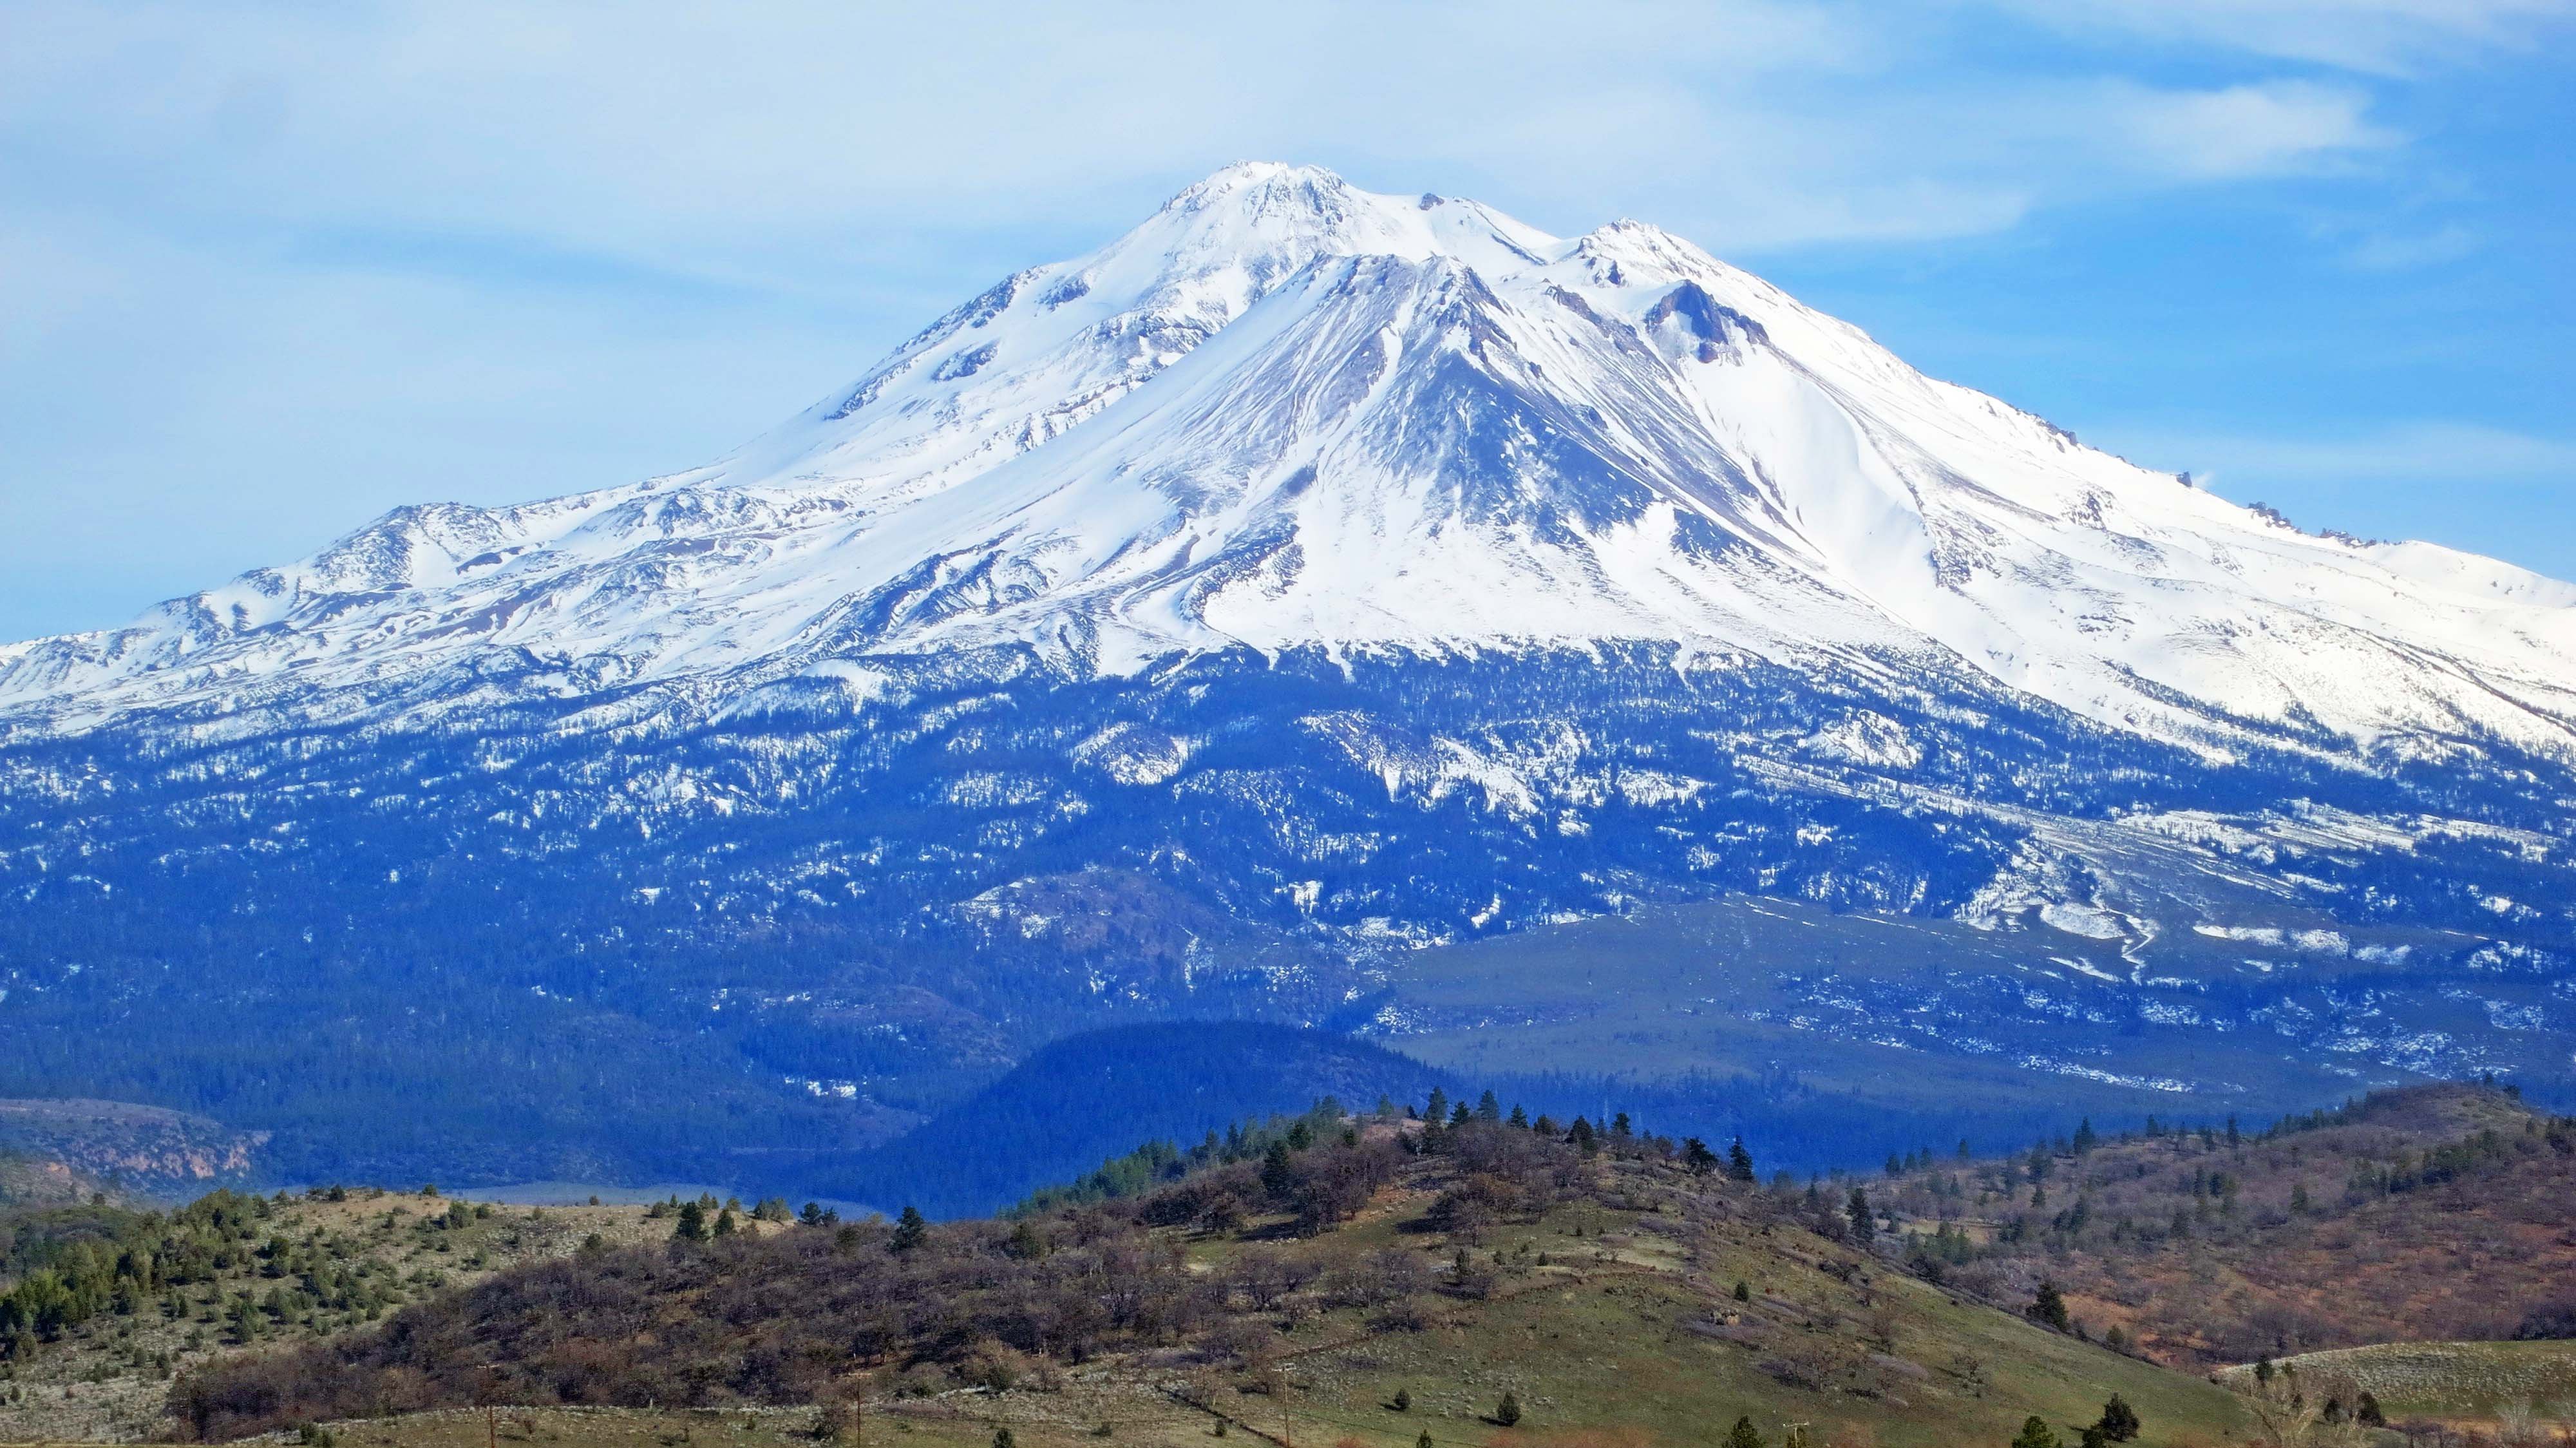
pixel 2387 37
pixel 2392 251
pixel 2429 452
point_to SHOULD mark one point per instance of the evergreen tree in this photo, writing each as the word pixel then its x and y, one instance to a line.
pixel 2369 1415
pixel 1403 1402
pixel 693 1223
pixel 1438 1110
pixel 725 1225
pixel 2119 1420
pixel 1697 1156
pixel 1743 1290
pixel 1278 1176
pixel 1002 1438
pixel 2048 1307
pixel 2299 1199
pixel 1459 1115
pixel 1744 1435
pixel 2234 1138
pixel 2085 1139
pixel 1739 1162
pixel 1508 1411
pixel 1619 1126
pixel 1582 1137
pixel 1489 1108
pixel 1857 1209
pixel 910 1230
pixel 1424 1441
pixel 2035 1434
pixel 1895 1165
pixel 1519 1117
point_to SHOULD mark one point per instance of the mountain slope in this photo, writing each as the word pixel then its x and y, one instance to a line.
pixel 1200 626
pixel 1286 412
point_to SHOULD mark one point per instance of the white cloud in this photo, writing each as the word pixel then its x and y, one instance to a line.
pixel 2250 130
pixel 2390 252
pixel 2404 452
pixel 2387 37
pixel 739 142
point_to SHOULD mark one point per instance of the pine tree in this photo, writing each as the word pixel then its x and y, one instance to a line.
pixel 1895 1165
pixel 910 1230
pixel 1438 1110
pixel 1278 1175
pixel 1697 1156
pixel 1508 1411
pixel 1744 1435
pixel 1743 1290
pixel 1857 1209
pixel 1424 1441
pixel 1582 1137
pixel 725 1225
pixel 2035 1434
pixel 2085 1139
pixel 1459 1115
pixel 1739 1162
pixel 693 1223
pixel 1002 1438
pixel 1403 1402
pixel 1489 1108
pixel 2119 1420
pixel 1519 1117
pixel 2048 1307
pixel 1619 1126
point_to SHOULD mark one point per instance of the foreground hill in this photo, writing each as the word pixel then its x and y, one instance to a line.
pixel 1195 628
pixel 2444 1212
pixel 1374 1286
pixel 100 1305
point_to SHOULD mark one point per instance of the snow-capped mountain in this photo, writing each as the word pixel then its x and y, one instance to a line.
pixel 1258 616
pixel 1285 412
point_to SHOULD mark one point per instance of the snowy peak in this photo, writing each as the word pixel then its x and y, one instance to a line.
pixel 1285 412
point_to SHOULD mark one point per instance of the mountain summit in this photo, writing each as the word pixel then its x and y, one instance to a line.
pixel 1337 608
pixel 1286 412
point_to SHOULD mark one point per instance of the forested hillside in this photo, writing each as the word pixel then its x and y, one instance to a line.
pixel 2436 1212
pixel 1373 1278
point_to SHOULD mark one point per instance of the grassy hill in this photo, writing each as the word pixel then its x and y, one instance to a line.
pixel 1381 1283
pixel 105 1304
pixel 2430 1213
pixel 2454 1383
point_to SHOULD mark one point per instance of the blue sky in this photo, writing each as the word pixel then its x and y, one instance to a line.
pixel 267 270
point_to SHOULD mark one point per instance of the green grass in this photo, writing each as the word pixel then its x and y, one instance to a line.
pixel 2455 1380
